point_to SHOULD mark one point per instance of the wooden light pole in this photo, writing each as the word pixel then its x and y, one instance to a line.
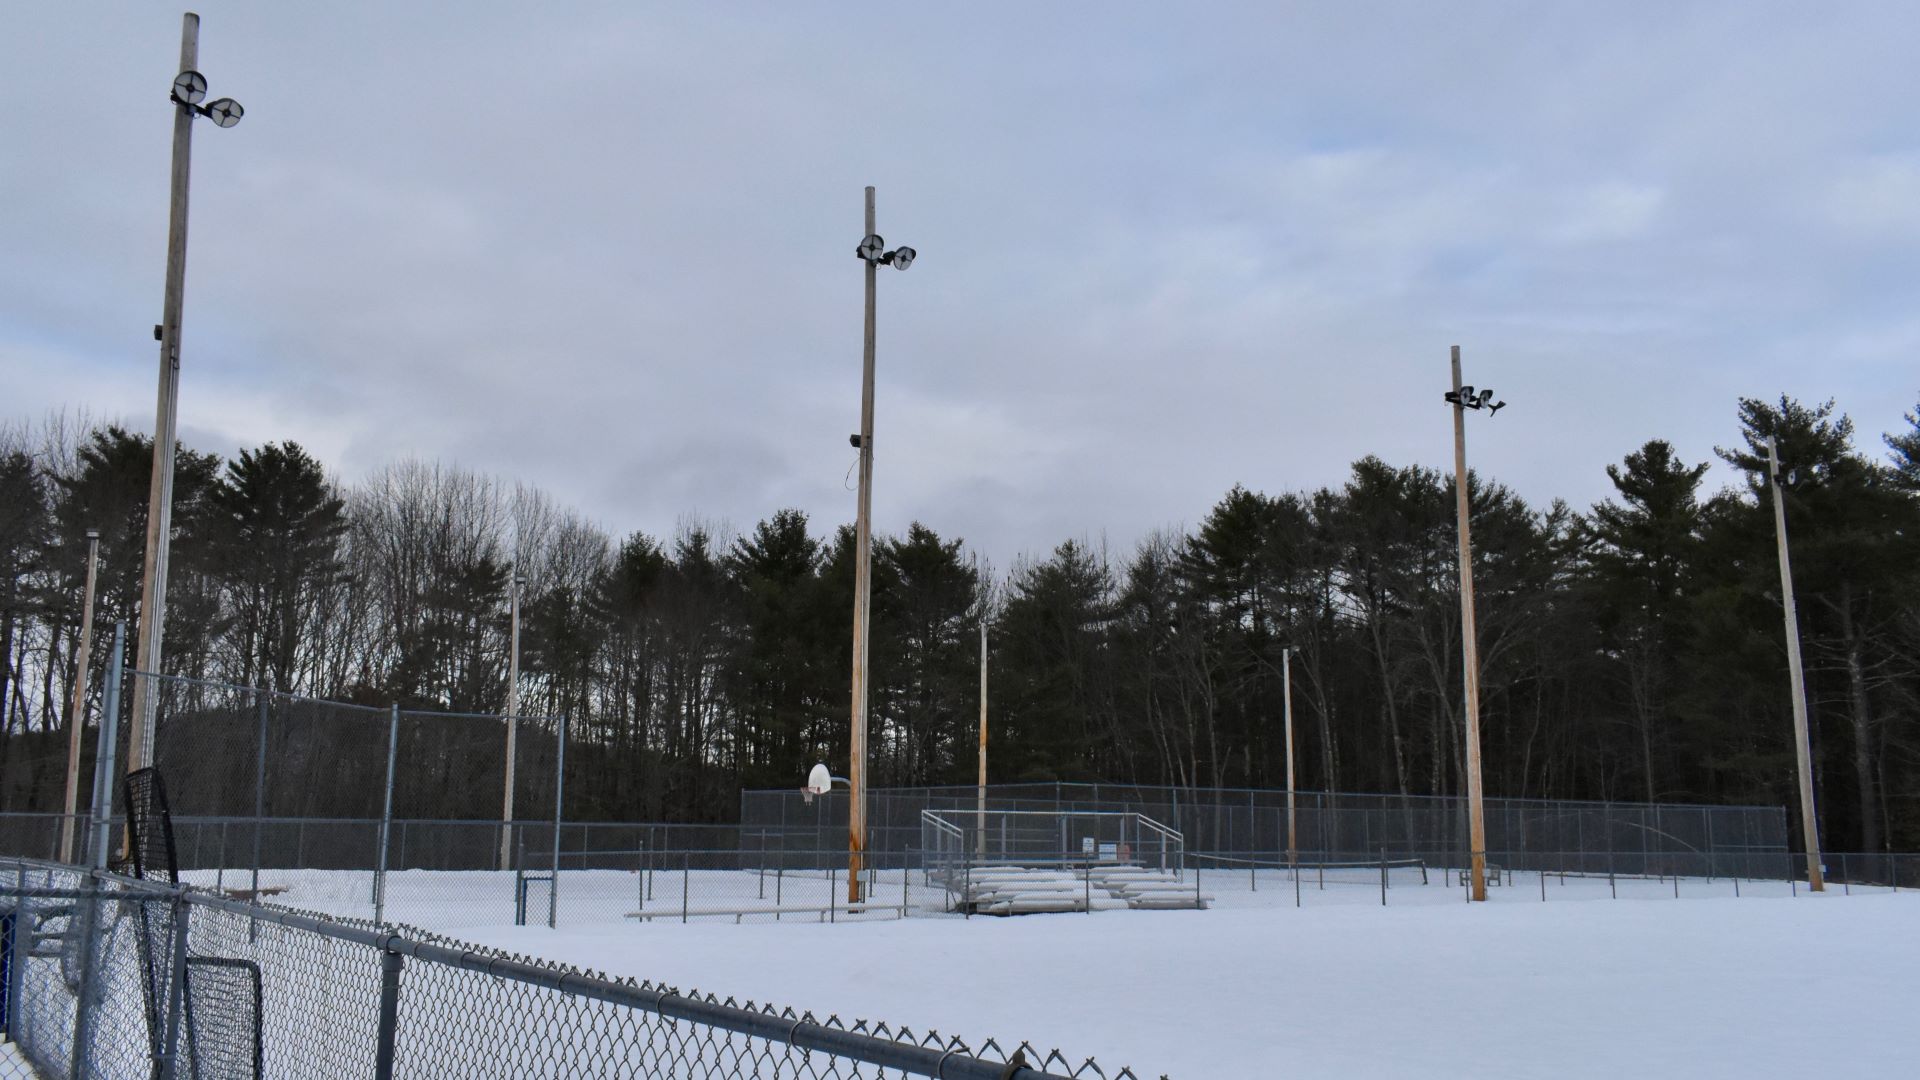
pixel 980 819
pixel 153 582
pixel 1286 680
pixel 862 586
pixel 77 713
pixel 871 251
pixel 1463 399
pixel 1809 822
pixel 188 88
pixel 513 719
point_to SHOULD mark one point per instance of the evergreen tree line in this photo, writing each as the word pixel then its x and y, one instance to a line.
pixel 1631 651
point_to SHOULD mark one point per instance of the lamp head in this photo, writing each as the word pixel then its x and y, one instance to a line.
pixel 189 88
pixel 871 248
pixel 225 112
pixel 901 257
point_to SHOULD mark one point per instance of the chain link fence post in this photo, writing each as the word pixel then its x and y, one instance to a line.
pixel 386 817
pixel 91 980
pixel 259 805
pixel 168 1065
pixel 559 794
pixel 109 741
pixel 390 964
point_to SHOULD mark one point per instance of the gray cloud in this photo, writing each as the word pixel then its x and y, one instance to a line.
pixel 607 251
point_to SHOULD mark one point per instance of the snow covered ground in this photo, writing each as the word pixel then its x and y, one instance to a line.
pixel 1581 985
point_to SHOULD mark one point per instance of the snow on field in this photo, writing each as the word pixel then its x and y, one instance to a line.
pixel 1746 988
pixel 1581 985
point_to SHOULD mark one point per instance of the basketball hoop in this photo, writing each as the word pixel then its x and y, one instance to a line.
pixel 819 782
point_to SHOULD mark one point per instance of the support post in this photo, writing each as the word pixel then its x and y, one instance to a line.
pixel 153 583
pixel 77 712
pixel 1809 820
pixel 980 819
pixel 259 803
pixel 862 595
pixel 1469 646
pixel 1286 680
pixel 168 1065
pixel 13 929
pixel 386 817
pixel 513 724
pixel 559 798
pixel 103 771
pixel 390 964
pixel 89 994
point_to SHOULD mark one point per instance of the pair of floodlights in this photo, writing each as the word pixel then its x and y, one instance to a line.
pixel 873 250
pixel 190 89
pixel 1466 398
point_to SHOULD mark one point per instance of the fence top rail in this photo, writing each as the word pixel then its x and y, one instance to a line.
pixel 1208 797
pixel 382 710
pixel 257 691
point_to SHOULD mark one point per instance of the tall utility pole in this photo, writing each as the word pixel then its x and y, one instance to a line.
pixel 513 718
pixel 189 87
pixel 1286 680
pixel 870 251
pixel 1809 822
pixel 980 820
pixel 1463 398
pixel 862 586
pixel 77 713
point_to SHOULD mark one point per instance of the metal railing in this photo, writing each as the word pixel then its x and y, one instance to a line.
pixel 109 976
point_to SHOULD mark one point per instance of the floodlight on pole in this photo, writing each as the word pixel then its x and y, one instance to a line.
pixel 188 91
pixel 872 250
pixel 1463 398
pixel 225 113
pixel 189 88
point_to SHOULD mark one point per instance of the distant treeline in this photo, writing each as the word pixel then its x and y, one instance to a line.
pixel 1633 651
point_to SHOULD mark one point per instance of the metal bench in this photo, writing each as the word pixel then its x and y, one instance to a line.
pixel 1493 875
pixel 824 913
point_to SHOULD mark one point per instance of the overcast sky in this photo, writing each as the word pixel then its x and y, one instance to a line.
pixel 608 250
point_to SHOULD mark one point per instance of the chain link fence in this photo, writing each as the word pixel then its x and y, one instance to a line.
pixel 1256 823
pixel 114 977
pixel 1313 878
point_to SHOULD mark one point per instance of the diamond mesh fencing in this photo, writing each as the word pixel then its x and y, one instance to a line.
pixel 142 979
pixel 232 751
pixel 1325 827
